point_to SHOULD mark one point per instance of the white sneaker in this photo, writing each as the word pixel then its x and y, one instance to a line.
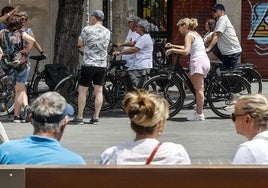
pixel 196 117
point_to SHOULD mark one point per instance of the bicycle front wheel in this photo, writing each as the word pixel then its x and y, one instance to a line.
pixel 222 94
pixel 39 86
pixel 7 97
pixel 109 101
pixel 170 88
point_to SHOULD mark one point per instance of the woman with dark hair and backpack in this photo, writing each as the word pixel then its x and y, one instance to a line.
pixel 14 61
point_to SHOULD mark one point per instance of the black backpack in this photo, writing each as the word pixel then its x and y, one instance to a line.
pixel 54 73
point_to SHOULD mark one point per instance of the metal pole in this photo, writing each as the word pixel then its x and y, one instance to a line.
pixel 87 12
pixel 111 15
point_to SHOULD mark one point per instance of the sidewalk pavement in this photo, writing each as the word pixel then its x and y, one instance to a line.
pixel 213 141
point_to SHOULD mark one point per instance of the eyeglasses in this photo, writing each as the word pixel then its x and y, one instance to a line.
pixel 233 116
pixel 24 19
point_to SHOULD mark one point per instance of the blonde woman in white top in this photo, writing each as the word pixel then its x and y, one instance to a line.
pixel 199 61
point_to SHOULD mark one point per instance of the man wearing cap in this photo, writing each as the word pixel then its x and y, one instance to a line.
pixel 95 39
pixel 131 38
pixel 226 39
pixel 49 117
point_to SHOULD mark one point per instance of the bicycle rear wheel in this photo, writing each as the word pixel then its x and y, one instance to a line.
pixel 121 89
pixel 254 78
pixel 68 88
pixel 7 96
pixel 222 94
pixel 170 88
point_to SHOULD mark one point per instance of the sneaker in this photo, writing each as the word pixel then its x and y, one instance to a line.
pixel 196 117
pixel 77 121
pixel 18 119
pixel 94 121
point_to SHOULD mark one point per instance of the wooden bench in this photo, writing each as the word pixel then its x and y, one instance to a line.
pixel 95 176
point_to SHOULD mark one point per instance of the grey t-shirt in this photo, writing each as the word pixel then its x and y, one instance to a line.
pixel 96 39
pixel 228 42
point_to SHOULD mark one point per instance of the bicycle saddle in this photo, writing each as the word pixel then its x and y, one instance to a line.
pixel 38 57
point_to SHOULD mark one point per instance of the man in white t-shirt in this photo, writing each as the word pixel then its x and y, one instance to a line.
pixel 226 39
pixel 131 38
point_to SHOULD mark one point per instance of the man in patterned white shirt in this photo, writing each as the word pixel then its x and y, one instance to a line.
pixel 95 39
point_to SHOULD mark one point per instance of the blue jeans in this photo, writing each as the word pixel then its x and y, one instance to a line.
pixel 230 61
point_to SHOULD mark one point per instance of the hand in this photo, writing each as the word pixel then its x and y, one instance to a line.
pixel 168 45
pixel 15 10
pixel 116 53
pixel 168 52
pixel 43 54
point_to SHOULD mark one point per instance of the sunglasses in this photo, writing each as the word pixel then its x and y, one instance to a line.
pixel 233 116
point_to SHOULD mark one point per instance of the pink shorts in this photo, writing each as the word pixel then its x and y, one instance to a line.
pixel 200 65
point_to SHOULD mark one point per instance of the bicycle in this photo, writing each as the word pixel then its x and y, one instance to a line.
pixel 37 84
pixel 7 90
pixel 252 75
pixel 113 90
pixel 220 91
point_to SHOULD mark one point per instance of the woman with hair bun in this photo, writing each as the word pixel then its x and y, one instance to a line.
pixel 251 118
pixel 148 113
pixel 199 62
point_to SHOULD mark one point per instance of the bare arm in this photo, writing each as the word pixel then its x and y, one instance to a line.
pixel 30 41
pixel 1 53
pixel 131 50
pixel 6 16
pixel 37 45
pixel 213 41
pixel 130 43
pixel 186 48
pixel 169 45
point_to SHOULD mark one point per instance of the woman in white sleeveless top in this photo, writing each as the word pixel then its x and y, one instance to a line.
pixel 199 62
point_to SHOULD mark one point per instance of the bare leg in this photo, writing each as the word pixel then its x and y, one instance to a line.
pixel 198 82
pixel 82 90
pixel 98 100
pixel 21 99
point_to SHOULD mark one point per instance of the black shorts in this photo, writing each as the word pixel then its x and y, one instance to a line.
pixel 92 74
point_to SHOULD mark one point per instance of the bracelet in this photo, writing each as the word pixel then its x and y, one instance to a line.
pixel 42 52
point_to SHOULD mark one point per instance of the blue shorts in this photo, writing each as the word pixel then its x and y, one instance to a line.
pixel 20 77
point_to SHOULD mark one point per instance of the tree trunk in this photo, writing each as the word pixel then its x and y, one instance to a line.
pixel 68 28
